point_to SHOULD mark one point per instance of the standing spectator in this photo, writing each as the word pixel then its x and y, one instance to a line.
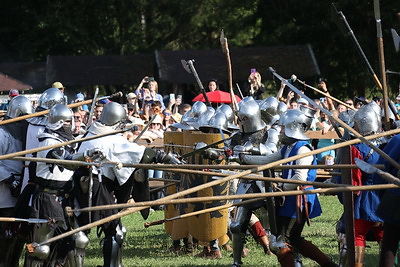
pixel 79 97
pixel 213 85
pixel 60 87
pixel 254 87
pixel 185 108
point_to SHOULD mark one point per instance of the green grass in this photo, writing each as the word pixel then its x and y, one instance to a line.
pixel 148 247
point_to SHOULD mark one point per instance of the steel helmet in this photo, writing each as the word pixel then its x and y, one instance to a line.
pixel 309 112
pixel 269 110
pixel 366 120
pixel 112 114
pixel 249 117
pixel 51 97
pixel 198 108
pixel 295 123
pixel 282 107
pixel 217 121
pixel 59 113
pixel 204 118
pixel 19 106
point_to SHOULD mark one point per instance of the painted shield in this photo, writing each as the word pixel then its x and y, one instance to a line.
pixel 178 228
pixel 213 225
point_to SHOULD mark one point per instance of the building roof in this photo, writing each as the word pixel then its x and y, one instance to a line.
pixel 7 83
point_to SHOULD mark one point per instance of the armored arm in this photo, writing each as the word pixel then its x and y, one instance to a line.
pixel 94 154
pixel 159 156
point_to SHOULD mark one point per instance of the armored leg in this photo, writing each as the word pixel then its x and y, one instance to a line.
pixel 112 249
pixel 37 256
pixel 77 255
pixel 238 228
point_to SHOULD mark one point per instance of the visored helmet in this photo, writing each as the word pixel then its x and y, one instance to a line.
pixel 269 110
pixel 112 114
pixel 51 97
pixel 366 120
pixel 249 116
pixel 19 106
pixel 295 123
pixel 309 112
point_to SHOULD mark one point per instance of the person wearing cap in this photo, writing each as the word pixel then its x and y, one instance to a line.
pixel 79 97
pixel 13 93
pixel 60 87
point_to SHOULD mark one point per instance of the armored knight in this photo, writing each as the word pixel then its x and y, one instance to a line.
pixel 53 185
pixel 12 139
pixel 112 184
pixel 367 121
pixel 291 217
pixel 251 138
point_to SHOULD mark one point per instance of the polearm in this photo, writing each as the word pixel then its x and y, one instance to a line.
pixel 44 112
pixel 377 13
pixel 341 21
pixel 145 129
pixel 344 125
pixel 326 95
pixel 189 67
pixel 29 220
pixel 225 49
pixel 260 178
pixel 90 120
pixel 187 215
pixel 189 167
pixel 164 201
pixel 370 169
pixel 207 185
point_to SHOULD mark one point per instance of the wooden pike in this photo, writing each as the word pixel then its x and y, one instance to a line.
pixel 186 215
pixel 327 95
pixel 210 184
pixel 163 201
pixel 225 49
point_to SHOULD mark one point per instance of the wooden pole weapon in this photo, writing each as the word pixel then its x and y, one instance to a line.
pixel 204 186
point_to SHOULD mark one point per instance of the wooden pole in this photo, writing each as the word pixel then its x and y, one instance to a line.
pixel 208 185
pixel 186 215
pixel 327 95
pixel 164 201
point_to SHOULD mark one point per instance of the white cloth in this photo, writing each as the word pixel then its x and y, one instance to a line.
pixel 117 149
pixel 49 171
pixel 8 144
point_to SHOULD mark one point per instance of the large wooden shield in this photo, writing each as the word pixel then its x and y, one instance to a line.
pixel 177 229
pixel 213 225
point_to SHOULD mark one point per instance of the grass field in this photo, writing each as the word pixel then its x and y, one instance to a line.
pixel 149 247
